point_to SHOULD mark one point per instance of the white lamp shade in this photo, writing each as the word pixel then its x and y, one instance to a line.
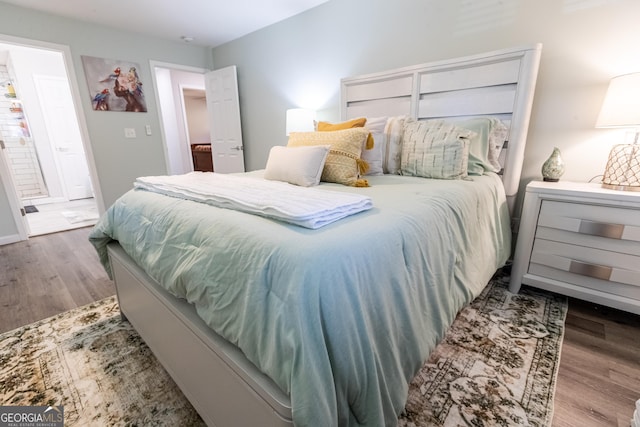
pixel 621 107
pixel 300 120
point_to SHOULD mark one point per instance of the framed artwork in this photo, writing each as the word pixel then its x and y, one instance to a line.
pixel 114 85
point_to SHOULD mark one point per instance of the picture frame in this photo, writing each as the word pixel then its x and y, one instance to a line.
pixel 114 85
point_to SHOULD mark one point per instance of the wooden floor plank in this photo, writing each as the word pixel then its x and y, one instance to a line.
pixel 625 375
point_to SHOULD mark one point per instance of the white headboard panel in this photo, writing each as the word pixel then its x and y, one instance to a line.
pixel 499 84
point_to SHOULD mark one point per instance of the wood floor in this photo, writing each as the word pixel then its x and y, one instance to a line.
pixel 599 377
pixel 47 275
pixel 598 380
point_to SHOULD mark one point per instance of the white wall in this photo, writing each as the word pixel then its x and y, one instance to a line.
pixel 197 119
pixel 299 63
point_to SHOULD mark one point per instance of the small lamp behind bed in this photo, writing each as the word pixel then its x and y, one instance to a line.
pixel 300 120
pixel 621 109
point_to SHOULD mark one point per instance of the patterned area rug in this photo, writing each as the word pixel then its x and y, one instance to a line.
pixel 94 364
pixel 496 367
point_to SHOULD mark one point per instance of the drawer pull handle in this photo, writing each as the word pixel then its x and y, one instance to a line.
pixel 601 229
pixel 590 270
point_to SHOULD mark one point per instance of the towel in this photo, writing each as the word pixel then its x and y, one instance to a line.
pixel 306 207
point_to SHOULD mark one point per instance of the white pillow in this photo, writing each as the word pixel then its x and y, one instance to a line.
pixel 435 149
pixel 296 165
pixel 394 131
pixel 374 157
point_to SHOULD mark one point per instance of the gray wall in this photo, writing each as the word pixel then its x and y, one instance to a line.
pixel 299 63
pixel 118 160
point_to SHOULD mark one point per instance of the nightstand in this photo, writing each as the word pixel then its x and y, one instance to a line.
pixel 580 240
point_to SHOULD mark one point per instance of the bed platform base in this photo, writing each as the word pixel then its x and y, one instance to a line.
pixel 223 386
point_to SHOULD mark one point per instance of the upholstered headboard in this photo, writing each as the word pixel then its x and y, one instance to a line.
pixel 500 84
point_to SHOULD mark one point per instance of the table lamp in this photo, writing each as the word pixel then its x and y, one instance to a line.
pixel 621 109
pixel 300 120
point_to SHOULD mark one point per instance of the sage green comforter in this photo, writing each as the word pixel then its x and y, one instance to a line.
pixel 340 317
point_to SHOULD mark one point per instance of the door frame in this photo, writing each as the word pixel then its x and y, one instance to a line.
pixel 183 101
pixel 22 227
pixel 67 58
pixel 170 66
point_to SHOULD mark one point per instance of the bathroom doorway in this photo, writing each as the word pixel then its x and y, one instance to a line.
pixel 43 144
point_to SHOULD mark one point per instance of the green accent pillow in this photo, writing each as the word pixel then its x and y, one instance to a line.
pixel 435 149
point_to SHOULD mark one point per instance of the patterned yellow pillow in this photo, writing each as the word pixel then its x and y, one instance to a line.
pixel 343 162
pixel 353 123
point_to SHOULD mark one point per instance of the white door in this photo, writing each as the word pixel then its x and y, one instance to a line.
pixel 62 126
pixel 223 107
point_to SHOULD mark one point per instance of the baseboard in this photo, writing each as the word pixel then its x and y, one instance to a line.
pixel 5 240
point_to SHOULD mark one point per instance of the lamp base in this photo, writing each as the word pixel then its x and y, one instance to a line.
pixel 621 187
pixel 622 172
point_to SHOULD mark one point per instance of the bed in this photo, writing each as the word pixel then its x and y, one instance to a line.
pixel 263 322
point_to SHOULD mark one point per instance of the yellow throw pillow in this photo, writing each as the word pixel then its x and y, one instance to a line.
pixel 343 164
pixel 355 123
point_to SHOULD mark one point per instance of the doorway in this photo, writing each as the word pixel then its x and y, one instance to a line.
pixel 177 87
pixel 44 156
pixel 196 118
pixel 180 89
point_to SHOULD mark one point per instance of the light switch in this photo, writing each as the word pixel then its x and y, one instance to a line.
pixel 148 130
pixel 129 133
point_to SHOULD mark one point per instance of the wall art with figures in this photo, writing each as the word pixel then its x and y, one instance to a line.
pixel 114 85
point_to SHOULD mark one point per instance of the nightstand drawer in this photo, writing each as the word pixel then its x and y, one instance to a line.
pixel 571 263
pixel 573 238
pixel 560 281
pixel 591 220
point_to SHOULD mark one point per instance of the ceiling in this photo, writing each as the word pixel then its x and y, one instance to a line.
pixel 207 22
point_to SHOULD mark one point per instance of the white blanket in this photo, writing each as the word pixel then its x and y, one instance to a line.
pixel 307 207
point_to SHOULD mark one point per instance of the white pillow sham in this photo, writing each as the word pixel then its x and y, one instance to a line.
pixel 296 165
pixel 394 131
pixel 375 156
